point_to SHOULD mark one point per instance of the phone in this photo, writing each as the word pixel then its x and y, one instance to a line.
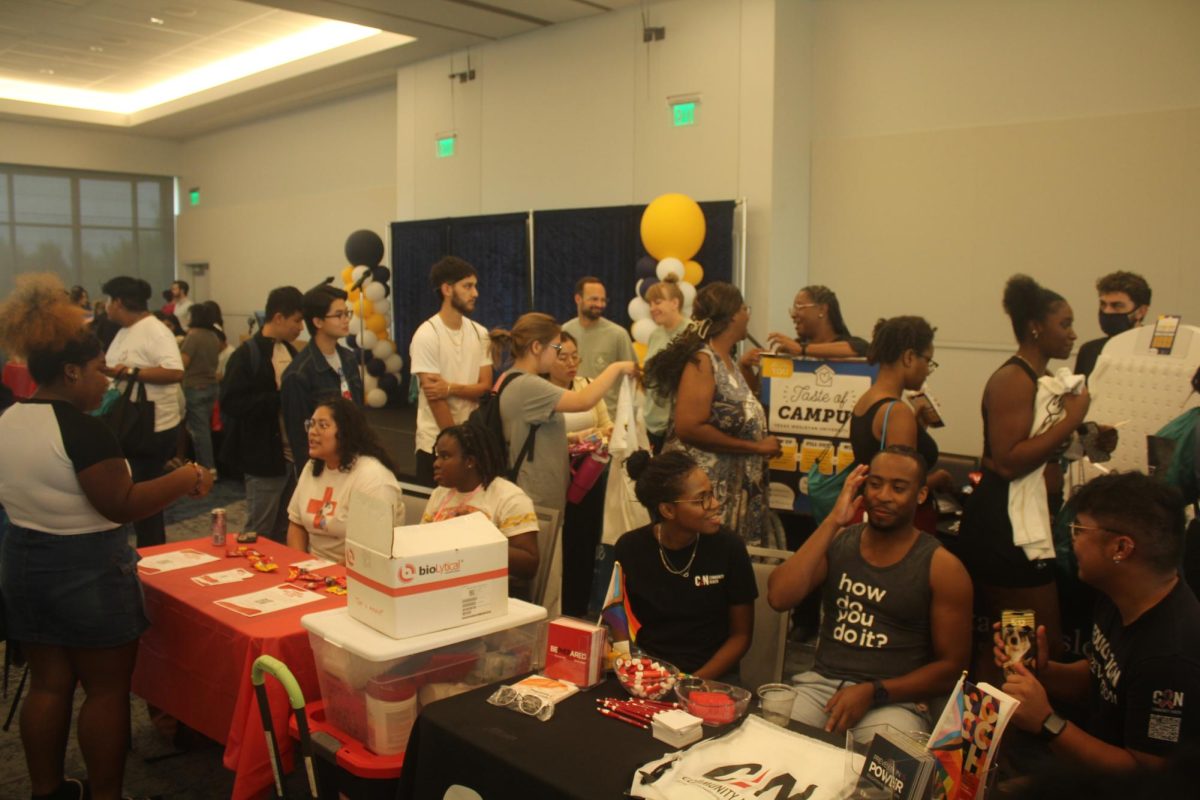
pixel 1018 631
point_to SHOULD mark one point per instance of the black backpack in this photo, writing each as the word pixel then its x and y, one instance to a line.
pixel 487 419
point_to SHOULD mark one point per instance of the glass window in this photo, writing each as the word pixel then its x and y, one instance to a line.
pixel 3 198
pixel 150 204
pixel 106 202
pixel 42 199
pixel 44 249
pixel 7 270
pixel 106 254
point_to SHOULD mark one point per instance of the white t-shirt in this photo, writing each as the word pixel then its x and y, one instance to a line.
pixel 455 355
pixel 182 307
pixel 321 504
pixel 149 343
pixel 509 508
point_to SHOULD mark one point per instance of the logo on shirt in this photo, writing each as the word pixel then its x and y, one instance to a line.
pixel 1167 699
pixel 322 508
pixel 708 580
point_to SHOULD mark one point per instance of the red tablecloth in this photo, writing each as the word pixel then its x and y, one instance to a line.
pixel 194 661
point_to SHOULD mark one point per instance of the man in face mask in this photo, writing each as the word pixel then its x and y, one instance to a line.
pixel 1124 303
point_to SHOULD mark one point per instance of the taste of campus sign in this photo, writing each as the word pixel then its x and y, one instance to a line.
pixel 809 403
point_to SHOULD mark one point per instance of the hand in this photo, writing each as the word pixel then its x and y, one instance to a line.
pixel 769 446
pixel 203 478
pixel 435 387
pixel 850 503
pixel 849 704
pixel 629 368
pixel 114 372
pixel 1076 405
pixel 751 359
pixel 941 480
pixel 1001 655
pixel 1035 706
pixel 784 344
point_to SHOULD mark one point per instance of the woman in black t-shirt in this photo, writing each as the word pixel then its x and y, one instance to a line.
pixel 688 581
pixel 820 330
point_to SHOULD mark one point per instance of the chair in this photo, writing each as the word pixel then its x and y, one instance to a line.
pixel 416 497
pixel 546 590
pixel 763 662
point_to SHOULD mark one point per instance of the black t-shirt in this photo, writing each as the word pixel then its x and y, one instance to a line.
pixel 685 619
pixel 1142 673
pixel 1085 361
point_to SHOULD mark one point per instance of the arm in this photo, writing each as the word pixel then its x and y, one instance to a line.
pixel 741 629
pixel 187 359
pixel 1067 682
pixel 156 375
pixel 693 407
pixel 297 537
pixel 436 391
pixel 523 554
pixel 586 398
pixel 1009 398
pixel 788 345
pixel 112 492
pixel 474 391
pixel 796 578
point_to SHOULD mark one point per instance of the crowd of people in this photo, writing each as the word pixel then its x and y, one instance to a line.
pixel 904 610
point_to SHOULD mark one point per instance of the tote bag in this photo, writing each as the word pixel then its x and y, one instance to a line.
pixel 622 511
pixel 131 419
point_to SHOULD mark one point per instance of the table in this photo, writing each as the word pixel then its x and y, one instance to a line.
pixel 194 661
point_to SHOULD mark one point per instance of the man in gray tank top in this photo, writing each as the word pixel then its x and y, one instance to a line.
pixel 895 605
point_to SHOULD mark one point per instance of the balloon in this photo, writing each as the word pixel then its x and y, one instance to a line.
pixel 380 273
pixel 389 381
pixel 368 340
pixel 352 297
pixel 639 350
pixel 364 247
pixel 639 309
pixel 366 310
pixel 377 323
pixel 383 349
pixel 673 225
pixel 670 266
pixel 644 285
pixel 370 382
pixel 645 267
pixel 348 275
pixel 359 272
pixel 394 362
pixel 351 342
pixel 689 293
pixel 376 367
pixel 693 273
pixel 375 291
pixel 377 398
pixel 642 330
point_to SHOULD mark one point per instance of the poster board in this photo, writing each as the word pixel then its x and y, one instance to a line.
pixel 809 403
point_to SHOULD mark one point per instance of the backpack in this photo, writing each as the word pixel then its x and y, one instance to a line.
pixel 488 420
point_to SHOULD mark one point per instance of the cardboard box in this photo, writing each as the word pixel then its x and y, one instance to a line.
pixel 417 579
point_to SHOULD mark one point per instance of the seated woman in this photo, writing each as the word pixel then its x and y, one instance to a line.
pixel 688 579
pixel 467 470
pixel 345 457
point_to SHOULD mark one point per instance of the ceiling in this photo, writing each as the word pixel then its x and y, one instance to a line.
pixel 131 46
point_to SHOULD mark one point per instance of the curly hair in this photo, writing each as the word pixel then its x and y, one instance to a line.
pixel 1026 301
pixel 475 443
pixel 1130 283
pixel 39 323
pixel 660 479
pixel 893 337
pixel 824 296
pixel 712 311
pixel 354 437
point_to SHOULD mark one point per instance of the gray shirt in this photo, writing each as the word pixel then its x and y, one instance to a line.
pixel 530 400
pixel 601 344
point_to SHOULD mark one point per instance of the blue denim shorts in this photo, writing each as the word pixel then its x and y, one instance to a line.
pixel 77 590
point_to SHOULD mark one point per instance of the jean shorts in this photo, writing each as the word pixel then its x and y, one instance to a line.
pixel 71 590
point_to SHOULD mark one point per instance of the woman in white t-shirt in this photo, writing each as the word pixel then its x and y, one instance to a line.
pixel 466 469
pixel 345 457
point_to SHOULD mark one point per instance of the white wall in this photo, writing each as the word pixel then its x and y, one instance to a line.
pixel 83 148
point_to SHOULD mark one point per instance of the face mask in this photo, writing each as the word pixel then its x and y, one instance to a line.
pixel 1112 324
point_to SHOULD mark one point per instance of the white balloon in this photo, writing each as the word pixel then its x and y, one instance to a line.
pixel 377 398
pixel 383 348
pixel 669 266
pixel 639 309
pixel 689 293
pixel 642 330
pixel 358 273
pixel 370 382
pixel 374 291
pixel 687 311
pixel 368 340
pixel 394 362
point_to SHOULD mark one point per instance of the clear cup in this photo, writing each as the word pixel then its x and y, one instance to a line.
pixel 777 700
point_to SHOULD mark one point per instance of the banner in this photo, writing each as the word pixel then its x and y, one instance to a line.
pixel 809 403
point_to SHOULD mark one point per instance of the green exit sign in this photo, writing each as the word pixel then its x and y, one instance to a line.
pixel 194 196
pixel 445 146
pixel 683 114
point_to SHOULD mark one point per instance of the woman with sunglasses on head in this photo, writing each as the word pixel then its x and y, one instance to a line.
pixel 345 457
pixel 820 330
pixel 687 578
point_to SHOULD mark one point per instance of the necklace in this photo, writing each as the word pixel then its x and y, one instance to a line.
pixel 662 554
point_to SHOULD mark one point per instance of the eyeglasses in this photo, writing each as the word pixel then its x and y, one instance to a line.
pixel 557 348
pixel 802 306
pixel 319 424
pixel 568 358
pixel 933 365
pixel 531 704
pixel 706 500
pixel 1077 530
pixel 339 315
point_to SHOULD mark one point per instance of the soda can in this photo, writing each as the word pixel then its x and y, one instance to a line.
pixel 218 527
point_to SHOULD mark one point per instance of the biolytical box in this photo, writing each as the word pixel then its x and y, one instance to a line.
pixel 418 579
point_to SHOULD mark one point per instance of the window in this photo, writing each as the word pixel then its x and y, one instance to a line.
pixel 86 226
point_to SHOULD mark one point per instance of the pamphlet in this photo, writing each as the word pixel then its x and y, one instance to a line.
pixel 267 601
pixel 176 559
pixel 896 764
pixel 225 576
pixel 547 688
pixel 964 740
pixel 575 651
pixel 312 564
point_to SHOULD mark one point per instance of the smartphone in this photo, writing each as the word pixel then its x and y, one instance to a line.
pixel 1018 631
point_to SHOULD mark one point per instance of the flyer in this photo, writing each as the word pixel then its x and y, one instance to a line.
pixel 225 576
pixel 267 601
pixel 176 559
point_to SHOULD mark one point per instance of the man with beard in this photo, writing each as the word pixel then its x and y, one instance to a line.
pixel 896 606
pixel 1124 303
pixel 180 303
pixel 451 357
pixel 601 342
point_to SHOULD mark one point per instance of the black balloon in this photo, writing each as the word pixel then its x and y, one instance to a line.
pixel 380 274
pixel 376 367
pixel 388 381
pixel 646 267
pixel 351 342
pixel 393 392
pixel 364 248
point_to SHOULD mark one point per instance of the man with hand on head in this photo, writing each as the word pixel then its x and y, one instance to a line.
pixel 451 356
pixel 601 342
pixel 896 606
pixel 1145 655
pixel 1124 303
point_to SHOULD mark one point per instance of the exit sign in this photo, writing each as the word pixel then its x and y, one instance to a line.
pixel 445 146
pixel 683 114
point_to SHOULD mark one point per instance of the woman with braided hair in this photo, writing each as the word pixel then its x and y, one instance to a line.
pixel 718 420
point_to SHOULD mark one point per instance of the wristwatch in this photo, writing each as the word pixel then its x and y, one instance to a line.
pixel 881 696
pixel 1052 726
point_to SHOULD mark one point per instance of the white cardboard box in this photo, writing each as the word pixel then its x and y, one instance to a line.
pixel 417 579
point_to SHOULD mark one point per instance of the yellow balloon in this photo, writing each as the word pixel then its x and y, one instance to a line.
pixel 693 273
pixel 348 275
pixel 377 324
pixel 352 298
pixel 673 226
pixel 639 350
pixel 368 308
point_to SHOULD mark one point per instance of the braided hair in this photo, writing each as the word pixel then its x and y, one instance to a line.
pixel 475 443
pixel 660 479
pixel 712 312
pixel 824 296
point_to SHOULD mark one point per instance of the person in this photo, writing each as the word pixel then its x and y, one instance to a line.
pixel 79 296
pixel 1124 304
pixel 219 329
pixel 467 470
pixel 451 356
pixel 820 330
pixel 582 521
pixel 321 369
pixel 144 350
pixel 1004 576
pixel 687 577
pixel 601 341
pixel 1145 655
pixel 72 599
pixel 180 303
pixel 200 351
pixel 528 403
pixel 896 606
pixel 255 438
pixel 666 309
pixel 718 420
pixel 903 349
pixel 344 457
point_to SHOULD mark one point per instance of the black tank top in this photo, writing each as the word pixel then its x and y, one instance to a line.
pixel 865 445
pixel 1028 370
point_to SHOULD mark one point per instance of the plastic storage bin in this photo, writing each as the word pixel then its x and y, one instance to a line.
pixel 373 686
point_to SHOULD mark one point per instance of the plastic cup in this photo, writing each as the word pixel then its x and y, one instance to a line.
pixel 777 700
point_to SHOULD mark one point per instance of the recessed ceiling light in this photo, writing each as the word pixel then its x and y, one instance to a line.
pixel 96 48
pixel 46 71
pixel 157 21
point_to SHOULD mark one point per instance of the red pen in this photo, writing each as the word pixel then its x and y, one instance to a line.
pixel 618 715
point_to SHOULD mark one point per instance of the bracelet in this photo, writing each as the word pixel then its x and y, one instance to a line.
pixel 199 478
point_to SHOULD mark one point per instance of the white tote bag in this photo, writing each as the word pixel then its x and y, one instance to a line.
pixel 622 511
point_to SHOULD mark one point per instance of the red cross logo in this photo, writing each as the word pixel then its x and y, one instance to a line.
pixel 317 506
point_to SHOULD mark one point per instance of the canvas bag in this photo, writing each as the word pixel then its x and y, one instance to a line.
pixel 622 511
pixel 131 419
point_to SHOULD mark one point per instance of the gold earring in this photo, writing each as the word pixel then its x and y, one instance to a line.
pixel 1035 335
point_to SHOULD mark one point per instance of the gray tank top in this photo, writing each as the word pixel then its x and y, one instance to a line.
pixel 874 620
